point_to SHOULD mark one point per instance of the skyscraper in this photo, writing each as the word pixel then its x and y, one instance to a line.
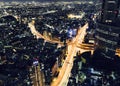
pixel 110 10
pixel 108 27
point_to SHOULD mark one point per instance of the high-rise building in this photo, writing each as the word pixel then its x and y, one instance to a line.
pixel 110 10
pixel 108 27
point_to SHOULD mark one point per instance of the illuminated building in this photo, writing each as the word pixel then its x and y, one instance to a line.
pixel 108 27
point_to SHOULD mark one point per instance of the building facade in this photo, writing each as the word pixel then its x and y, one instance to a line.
pixel 108 27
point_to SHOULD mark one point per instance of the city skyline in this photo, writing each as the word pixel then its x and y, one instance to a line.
pixel 59 43
pixel 37 0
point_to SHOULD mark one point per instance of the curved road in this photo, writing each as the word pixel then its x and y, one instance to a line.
pixel 38 35
pixel 65 71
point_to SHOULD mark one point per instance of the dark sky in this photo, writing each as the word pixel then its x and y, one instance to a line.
pixel 38 0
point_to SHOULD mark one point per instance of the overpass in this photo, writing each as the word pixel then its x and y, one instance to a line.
pixel 65 71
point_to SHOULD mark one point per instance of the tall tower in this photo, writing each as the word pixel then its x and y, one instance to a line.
pixel 108 27
pixel 110 10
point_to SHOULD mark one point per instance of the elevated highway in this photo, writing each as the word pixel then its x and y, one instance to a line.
pixel 65 71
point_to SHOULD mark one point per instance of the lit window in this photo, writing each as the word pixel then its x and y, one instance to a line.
pixel 108 21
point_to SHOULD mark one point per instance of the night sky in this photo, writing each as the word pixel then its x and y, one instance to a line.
pixel 38 0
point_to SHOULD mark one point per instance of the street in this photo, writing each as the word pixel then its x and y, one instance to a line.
pixel 64 74
pixel 73 48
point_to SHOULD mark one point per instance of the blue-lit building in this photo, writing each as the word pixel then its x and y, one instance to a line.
pixel 71 33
